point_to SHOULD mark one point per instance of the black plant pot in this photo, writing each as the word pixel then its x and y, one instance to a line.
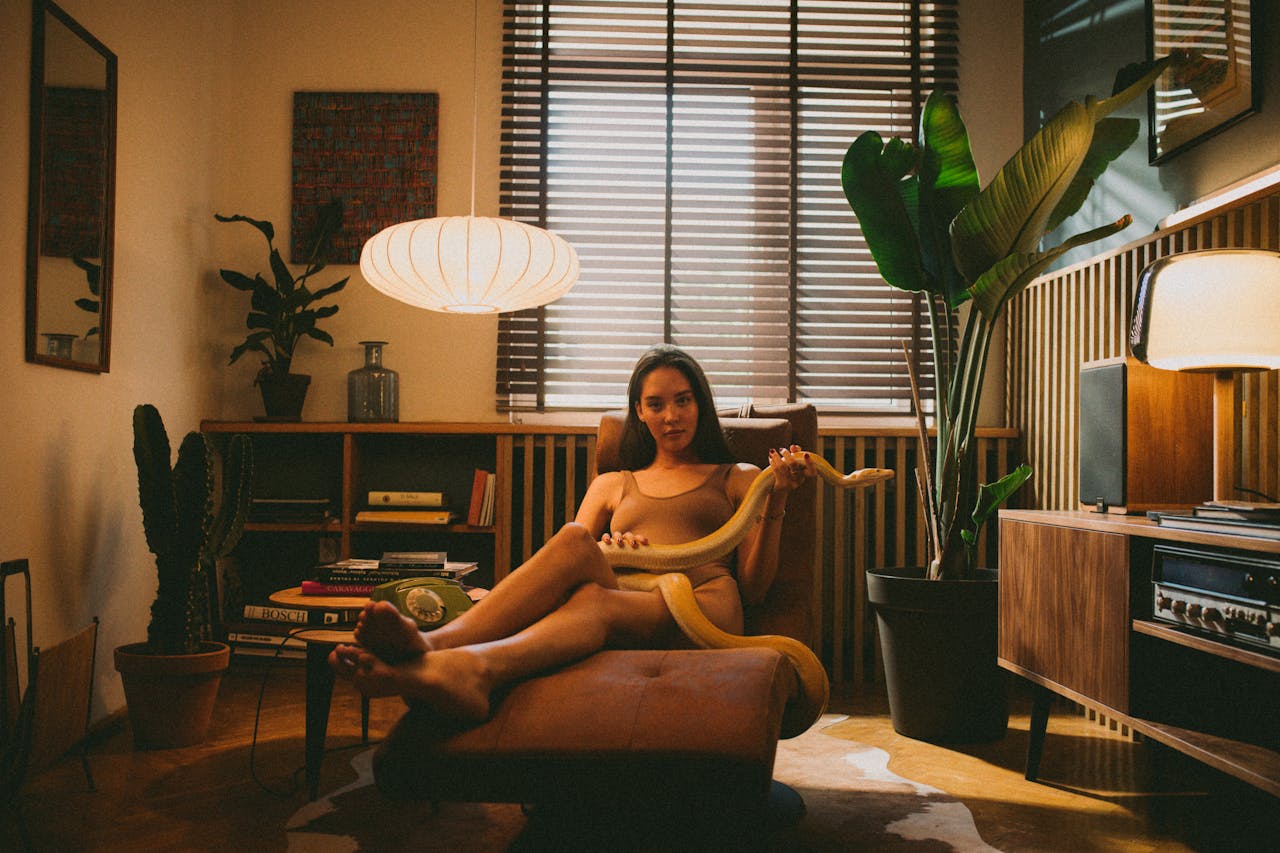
pixel 938 643
pixel 283 395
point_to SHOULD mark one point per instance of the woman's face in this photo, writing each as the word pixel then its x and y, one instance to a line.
pixel 668 408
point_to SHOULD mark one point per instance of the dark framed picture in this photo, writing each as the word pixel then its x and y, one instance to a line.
pixel 374 150
pixel 1212 82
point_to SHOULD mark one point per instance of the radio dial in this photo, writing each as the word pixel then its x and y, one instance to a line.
pixel 1163 602
pixel 1212 614
pixel 1179 607
pixel 1273 630
pixel 1193 610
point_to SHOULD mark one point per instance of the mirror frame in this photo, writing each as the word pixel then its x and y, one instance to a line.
pixel 35 199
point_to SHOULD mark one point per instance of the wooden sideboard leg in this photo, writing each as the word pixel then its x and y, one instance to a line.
pixel 1039 726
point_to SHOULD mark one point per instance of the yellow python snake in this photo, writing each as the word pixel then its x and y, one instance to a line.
pixel 660 566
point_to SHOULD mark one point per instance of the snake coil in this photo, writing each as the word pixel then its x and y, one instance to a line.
pixel 659 567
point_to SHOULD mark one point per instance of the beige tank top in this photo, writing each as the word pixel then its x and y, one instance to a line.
pixel 679 518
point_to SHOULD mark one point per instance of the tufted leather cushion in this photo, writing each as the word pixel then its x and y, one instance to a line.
pixel 627 721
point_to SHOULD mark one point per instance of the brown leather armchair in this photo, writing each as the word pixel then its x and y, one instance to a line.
pixel 697 727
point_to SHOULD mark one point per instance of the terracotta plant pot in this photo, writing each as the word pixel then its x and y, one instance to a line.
pixel 170 697
pixel 938 644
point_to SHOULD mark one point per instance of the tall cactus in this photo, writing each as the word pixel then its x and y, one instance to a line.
pixel 185 528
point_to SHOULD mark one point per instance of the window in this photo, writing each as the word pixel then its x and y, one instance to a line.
pixel 690 152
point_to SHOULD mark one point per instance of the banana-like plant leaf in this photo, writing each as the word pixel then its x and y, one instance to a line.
pixel 87 304
pixel 1009 215
pixel 1131 81
pixel 948 180
pixel 1010 276
pixel 1111 138
pixel 320 335
pixel 992 495
pixel 870 175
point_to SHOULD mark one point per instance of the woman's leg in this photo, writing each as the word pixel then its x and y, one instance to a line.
pixel 458 681
pixel 568 560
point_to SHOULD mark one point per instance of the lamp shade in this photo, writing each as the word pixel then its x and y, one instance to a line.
pixel 1213 310
pixel 469 264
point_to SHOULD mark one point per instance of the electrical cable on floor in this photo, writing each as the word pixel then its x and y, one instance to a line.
pixel 257 717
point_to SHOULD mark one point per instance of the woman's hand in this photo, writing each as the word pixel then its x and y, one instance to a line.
pixel 624 539
pixel 791 466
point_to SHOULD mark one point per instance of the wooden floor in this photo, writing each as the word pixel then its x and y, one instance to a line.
pixel 1100 790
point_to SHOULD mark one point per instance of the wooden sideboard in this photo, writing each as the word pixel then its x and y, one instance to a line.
pixel 1076 608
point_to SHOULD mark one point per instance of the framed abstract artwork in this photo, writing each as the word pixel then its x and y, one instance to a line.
pixel 1212 81
pixel 374 150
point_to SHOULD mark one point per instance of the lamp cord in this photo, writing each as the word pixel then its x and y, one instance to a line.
pixel 475 95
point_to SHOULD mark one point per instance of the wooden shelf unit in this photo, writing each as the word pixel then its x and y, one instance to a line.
pixel 341 462
pixel 1075 620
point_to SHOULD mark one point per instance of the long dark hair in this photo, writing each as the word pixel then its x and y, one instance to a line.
pixel 637 448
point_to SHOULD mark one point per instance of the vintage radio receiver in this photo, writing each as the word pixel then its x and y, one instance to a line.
pixel 1223 594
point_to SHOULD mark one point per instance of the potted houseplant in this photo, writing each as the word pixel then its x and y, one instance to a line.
pixel 282 311
pixel 932 230
pixel 171 680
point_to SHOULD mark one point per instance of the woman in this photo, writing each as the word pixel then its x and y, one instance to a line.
pixel 564 603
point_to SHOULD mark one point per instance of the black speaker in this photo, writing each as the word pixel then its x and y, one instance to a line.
pixel 1146 437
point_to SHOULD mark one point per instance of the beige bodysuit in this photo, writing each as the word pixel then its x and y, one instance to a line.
pixel 679 518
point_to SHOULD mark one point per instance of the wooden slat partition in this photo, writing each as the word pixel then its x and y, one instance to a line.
pixel 548 472
pixel 1082 312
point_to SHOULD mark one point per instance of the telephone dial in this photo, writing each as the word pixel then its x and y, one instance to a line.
pixel 430 602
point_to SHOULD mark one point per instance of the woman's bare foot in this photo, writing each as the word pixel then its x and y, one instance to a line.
pixel 389 634
pixel 454 682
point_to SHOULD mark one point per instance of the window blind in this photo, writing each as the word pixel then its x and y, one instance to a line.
pixel 690 152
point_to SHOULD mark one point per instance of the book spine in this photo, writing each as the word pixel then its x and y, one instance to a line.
pixel 325 588
pixel 406 516
pixel 377 577
pixel 265 639
pixel 406 499
pixel 477 497
pixel 276 614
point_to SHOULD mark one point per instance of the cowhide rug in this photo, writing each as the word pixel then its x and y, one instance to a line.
pixel 852 800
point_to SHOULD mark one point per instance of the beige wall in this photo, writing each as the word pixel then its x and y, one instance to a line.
pixel 204 126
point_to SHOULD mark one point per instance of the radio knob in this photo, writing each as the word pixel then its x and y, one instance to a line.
pixel 1212 614
pixel 1273 630
pixel 1163 602
pixel 1179 607
pixel 1193 610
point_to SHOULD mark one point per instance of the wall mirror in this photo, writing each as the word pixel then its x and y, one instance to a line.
pixel 71 195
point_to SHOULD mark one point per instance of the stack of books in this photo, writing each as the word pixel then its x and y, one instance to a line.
pixel 1239 519
pixel 265 630
pixel 359 577
pixel 388 507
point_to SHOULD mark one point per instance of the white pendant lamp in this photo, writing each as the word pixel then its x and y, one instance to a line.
pixel 470 264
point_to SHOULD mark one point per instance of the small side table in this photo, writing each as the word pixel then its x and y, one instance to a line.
pixel 320 641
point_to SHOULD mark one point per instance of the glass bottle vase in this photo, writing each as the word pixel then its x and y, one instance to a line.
pixel 373 391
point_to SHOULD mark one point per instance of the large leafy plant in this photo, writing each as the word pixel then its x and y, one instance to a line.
pixel 933 231
pixel 281 311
